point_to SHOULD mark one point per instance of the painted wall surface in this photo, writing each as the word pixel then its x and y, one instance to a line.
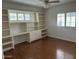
pixel 65 33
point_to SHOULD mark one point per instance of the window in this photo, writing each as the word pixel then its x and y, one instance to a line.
pixel 27 17
pixel 70 19
pixel 61 20
pixel 20 16
pixel 12 16
pixel 66 20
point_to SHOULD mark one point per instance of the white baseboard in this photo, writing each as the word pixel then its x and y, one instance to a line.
pixel 62 38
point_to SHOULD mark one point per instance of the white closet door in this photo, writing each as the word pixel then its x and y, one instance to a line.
pixel 35 35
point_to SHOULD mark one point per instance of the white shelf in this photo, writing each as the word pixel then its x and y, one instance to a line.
pixel 44 33
pixel 31 27
pixel 5 29
pixel 7 49
pixel 20 34
pixel 44 36
pixel 18 21
pixel 5 21
pixel 6 36
pixel 42 20
pixel 44 29
pixel 7 43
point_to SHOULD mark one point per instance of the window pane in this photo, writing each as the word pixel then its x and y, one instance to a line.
pixel 12 16
pixel 61 20
pixel 68 24
pixel 70 19
pixel 73 19
pixel 21 16
pixel 67 19
pixel 72 24
pixel 27 16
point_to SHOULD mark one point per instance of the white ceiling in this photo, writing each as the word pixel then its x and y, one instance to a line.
pixel 39 3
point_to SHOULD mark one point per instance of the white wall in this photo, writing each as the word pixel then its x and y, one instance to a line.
pixel 60 32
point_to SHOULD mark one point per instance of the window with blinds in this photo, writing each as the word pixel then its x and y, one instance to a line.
pixel 66 19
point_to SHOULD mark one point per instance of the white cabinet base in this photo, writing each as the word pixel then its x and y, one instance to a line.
pixel 35 35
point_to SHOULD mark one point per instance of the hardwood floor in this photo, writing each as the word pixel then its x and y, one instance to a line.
pixel 47 48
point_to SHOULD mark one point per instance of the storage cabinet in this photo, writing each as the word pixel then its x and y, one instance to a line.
pixel 35 35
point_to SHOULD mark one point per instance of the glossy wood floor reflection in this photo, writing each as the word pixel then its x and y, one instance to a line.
pixel 47 48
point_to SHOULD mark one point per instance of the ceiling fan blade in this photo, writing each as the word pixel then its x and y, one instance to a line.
pixel 53 1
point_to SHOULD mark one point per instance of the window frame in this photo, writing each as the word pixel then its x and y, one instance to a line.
pixel 21 12
pixel 66 19
pixel 70 19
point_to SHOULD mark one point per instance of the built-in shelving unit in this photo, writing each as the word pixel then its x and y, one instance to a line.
pixel 6 37
pixel 42 20
pixel 44 32
pixel 17 31
pixel 18 27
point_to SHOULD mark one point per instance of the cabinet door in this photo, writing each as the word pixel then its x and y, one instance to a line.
pixel 34 35
pixel 38 34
